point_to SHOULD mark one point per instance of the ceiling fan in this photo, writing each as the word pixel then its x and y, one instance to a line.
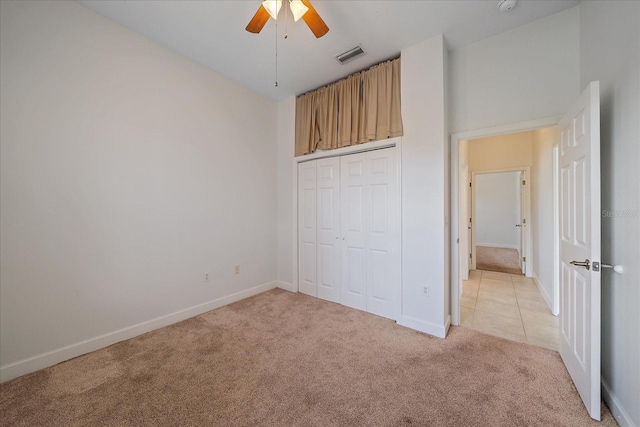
pixel 299 9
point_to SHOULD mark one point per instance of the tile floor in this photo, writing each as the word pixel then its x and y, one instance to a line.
pixel 509 306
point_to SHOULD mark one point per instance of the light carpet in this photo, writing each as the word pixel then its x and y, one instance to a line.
pixel 503 260
pixel 286 359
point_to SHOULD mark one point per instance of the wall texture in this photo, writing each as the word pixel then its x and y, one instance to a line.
pixel 287 210
pixel 127 172
pixel 424 191
pixel 610 53
pixel 528 73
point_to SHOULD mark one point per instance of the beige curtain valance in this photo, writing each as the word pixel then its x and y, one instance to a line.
pixel 361 108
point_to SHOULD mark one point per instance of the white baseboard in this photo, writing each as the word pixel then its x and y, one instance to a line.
pixel 44 360
pixel 439 331
pixel 285 285
pixel 547 298
pixel 619 413
pixel 498 245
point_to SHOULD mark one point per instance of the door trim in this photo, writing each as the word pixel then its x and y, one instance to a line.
pixel 455 139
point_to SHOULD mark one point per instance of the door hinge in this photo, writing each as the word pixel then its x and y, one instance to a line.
pixel 524 259
pixel 469 184
pixel 470 256
pixel 523 182
pixel 524 220
pixel 469 220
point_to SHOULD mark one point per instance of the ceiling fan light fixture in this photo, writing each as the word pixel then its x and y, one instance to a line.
pixel 298 9
pixel 273 7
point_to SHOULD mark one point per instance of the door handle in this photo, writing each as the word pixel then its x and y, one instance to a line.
pixel 586 264
pixel 518 225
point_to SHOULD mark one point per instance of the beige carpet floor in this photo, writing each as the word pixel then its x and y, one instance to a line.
pixel 503 260
pixel 285 359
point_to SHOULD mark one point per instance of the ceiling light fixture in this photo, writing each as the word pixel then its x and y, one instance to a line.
pixel 298 9
pixel 273 7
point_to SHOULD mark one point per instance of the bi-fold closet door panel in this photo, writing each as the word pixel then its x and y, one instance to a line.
pixel 382 238
pixel 307 239
pixel 328 226
pixel 352 221
pixel 370 223
pixel 349 220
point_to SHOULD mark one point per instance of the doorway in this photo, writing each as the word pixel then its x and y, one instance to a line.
pixel 499 212
pixel 528 299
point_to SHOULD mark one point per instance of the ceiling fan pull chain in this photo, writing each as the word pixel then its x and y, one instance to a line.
pixel 286 20
pixel 276 83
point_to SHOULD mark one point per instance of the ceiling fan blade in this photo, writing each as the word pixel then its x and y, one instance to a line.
pixel 314 22
pixel 259 19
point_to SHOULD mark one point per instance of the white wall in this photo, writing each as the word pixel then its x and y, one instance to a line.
pixel 127 172
pixel 528 73
pixel 424 159
pixel 286 180
pixel 610 53
pixel 498 210
pixel 542 210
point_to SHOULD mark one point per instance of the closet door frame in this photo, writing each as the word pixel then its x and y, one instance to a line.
pixel 370 146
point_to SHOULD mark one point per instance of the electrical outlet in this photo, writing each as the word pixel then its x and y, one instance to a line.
pixel 206 277
pixel 236 269
pixel 425 291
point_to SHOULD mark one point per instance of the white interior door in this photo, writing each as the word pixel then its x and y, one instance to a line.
pixel 307 228
pixel 328 225
pixel 352 217
pixel 465 240
pixel 580 245
pixel 522 222
pixel 382 219
pixel 469 265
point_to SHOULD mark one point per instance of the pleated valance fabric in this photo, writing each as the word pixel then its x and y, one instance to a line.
pixel 361 108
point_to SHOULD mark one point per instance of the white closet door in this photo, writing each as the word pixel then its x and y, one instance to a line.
pixel 307 228
pixel 382 226
pixel 352 217
pixel 328 224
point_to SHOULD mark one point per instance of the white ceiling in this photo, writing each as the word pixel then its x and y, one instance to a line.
pixel 212 33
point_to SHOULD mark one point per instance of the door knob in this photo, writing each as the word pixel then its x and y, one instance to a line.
pixel 586 264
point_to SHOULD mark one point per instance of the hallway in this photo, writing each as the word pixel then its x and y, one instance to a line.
pixel 509 306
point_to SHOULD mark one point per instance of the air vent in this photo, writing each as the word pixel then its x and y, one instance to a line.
pixel 350 55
